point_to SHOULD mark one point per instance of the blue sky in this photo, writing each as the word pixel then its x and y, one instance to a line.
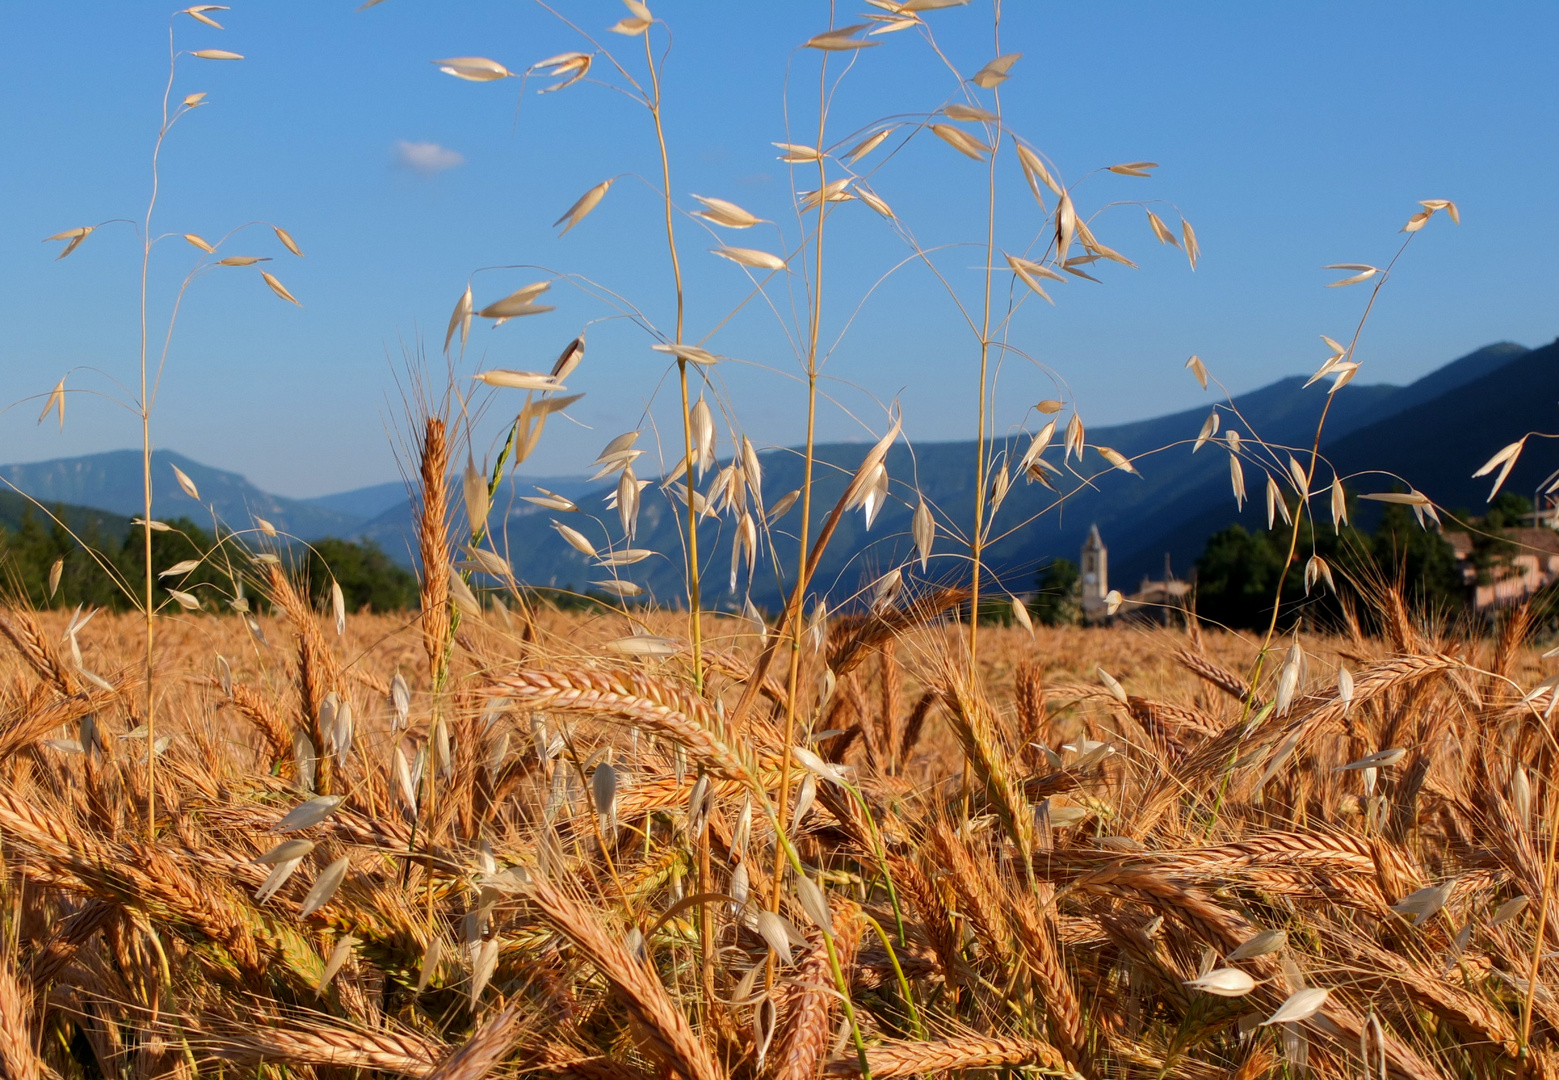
pixel 1290 135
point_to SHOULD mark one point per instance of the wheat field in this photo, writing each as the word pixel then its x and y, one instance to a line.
pixel 1101 855
pixel 864 836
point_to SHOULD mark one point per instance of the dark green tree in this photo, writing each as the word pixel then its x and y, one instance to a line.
pixel 212 581
pixel 1237 576
pixel 1057 596
pixel 367 577
pixel 1238 571
pixel 29 550
pixel 1419 558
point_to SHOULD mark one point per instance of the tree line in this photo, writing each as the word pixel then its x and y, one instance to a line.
pixel 1238 571
pixel 104 567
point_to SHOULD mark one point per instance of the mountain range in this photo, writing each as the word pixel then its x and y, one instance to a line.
pixel 1431 433
pixel 112 481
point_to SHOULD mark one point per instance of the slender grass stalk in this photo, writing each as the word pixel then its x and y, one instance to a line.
pixel 791 858
pixel 977 537
pixel 898 973
pixel 146 456
pixel 479 535
pixel 1293 540
pixel 695 602
pixel 793 611
pixel 1315 448
pixel 693 598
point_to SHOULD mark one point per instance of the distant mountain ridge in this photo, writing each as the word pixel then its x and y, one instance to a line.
pixel 112 481
pixel 1434 432
pixel 97 528
pixel 1177 502
pixel 364 503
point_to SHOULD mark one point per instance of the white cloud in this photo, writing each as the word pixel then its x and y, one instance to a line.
pixel 427 158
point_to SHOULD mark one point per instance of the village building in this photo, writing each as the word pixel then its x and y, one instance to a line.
pixel 1157 601
pixel 1094 561
pixel 1511 578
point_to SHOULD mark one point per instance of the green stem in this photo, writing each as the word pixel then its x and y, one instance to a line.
pixel 898 973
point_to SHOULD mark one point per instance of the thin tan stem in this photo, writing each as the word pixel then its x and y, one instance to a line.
pixel 798 596
pixel 146 464
pixel 693 598
pixel 978 539
pixel 1315 447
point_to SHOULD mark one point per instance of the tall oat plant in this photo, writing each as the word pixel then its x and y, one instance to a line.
pixel 152 355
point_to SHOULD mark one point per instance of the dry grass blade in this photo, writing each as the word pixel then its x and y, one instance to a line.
pixel 663 1029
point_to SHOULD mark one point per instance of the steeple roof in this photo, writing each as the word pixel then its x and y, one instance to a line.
pixel 1093 543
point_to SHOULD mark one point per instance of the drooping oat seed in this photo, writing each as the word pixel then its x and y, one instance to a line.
pixel 460 319
pixel 1224 982
pixel 841 40
pixel 1299 1006
pixel 960 140
pixel 582 206
pixel 474 68
pixel 866 145
pixel 185 482
pixel 796 154
pixel 760 260
pixel 996 72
